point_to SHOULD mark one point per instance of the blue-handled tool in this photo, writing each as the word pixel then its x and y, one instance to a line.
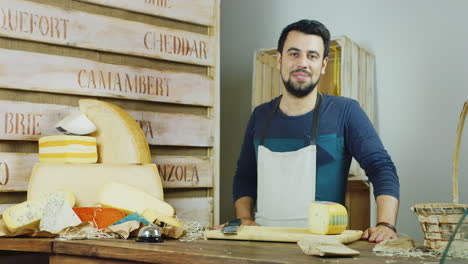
pixel 231 227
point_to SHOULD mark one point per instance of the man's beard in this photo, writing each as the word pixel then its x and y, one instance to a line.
pixel 297 91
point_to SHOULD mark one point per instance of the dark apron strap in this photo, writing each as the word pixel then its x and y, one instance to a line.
pixel 267 123
pixel 314 129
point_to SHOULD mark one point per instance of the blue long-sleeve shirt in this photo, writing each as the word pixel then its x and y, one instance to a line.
pixel 344 132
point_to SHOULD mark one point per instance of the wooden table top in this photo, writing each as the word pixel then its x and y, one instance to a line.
pixel 200 251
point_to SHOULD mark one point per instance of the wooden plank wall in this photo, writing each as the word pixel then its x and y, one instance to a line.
pixel 158 59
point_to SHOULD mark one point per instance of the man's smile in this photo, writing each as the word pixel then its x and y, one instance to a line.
pixel 301 75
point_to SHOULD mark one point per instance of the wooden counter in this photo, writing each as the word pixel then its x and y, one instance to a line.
pixel 173 251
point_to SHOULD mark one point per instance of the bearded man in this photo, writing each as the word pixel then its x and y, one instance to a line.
pixel 298 147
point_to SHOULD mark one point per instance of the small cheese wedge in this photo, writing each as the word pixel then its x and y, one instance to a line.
pixel 58 214
pixel 120 139
pixel 27 215
pixel 327 218
pixel 76 124
pixel 152 215
pixel 67 149
pixel 85 180
pixel 131 199
pixel 101 217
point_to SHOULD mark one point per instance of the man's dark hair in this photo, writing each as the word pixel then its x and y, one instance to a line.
pixel 306 26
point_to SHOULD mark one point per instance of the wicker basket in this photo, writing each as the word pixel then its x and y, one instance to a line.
pixel 438 221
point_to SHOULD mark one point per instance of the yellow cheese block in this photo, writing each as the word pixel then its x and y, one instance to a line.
pixel 327 218
pixel 152 215
pixel 130 199
pixel 68 149
pixel 119 137
pixel 86 180
pixel 27 215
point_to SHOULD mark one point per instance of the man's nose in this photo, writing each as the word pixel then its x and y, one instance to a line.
pixel 302 62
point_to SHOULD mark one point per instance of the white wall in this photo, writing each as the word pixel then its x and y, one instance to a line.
pixel 421 49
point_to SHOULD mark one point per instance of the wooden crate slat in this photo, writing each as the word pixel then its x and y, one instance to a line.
pixel 185 172
pixel 194 11
pixel 68 75
pixel 275 86
pixel 257 84
pixel 15 170
pixel 30 121
pixel 3 207
pixel 267 81
pixel 194 209
pixel 175 171
pixel 49 24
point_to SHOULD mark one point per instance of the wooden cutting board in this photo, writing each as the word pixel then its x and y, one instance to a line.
pixel 280 234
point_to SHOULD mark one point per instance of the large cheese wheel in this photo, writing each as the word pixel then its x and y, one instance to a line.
pixel 86 180
pixel 119 137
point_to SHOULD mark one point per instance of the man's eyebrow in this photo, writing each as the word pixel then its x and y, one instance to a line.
pixel 293 49
pixel 310 51
pixel 314 52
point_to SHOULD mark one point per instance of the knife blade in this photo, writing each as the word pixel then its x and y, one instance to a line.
pixel 231 227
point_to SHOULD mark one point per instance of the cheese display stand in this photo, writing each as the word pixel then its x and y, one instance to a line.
pixel 110 117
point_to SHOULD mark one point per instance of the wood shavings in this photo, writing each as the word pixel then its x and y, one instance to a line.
pixel 398 244
pixel 403 247
pixel 417 253
pixel 194 230
pixel 85 230
pixel 458 250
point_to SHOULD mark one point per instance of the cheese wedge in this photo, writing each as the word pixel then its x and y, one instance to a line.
pixel 76 124
pixel 68 149
pixel 100 217
pixel 154 216
pixel 327 218
pixel 130 199
pixel 119 137
pixel 27 215
pixel 58 214
pixel 86 180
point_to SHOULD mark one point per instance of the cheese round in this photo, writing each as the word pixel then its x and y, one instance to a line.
pixel 119 137
pixel 327 218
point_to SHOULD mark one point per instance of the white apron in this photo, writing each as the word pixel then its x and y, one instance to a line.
pixel 286 180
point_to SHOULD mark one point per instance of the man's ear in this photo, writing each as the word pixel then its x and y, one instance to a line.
pixel 324 65
pixel 278 60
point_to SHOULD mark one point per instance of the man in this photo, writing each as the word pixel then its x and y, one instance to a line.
pixel 298 147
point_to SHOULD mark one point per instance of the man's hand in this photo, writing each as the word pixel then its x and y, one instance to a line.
pixel 248 222
pixel 378 234
pixel 243 207
pixel 387 209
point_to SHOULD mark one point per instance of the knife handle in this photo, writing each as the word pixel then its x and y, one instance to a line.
pixel 234 222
